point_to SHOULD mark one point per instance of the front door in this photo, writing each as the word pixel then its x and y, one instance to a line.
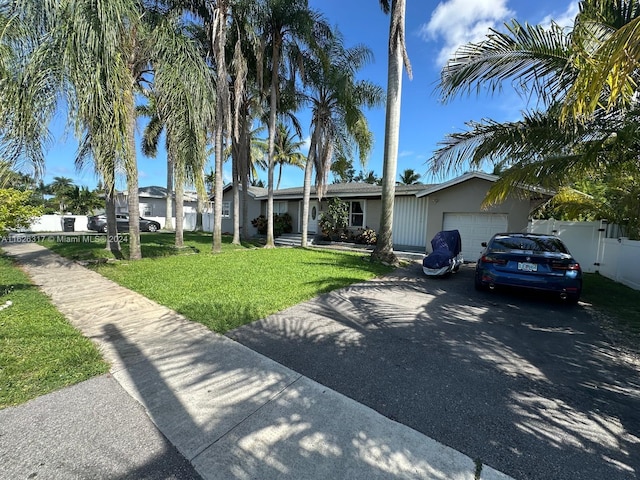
pixel 314 212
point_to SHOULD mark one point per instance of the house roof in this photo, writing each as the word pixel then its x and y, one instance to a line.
pixel 155 191
pixel 252 191
pixel 455 181
pixel 351 189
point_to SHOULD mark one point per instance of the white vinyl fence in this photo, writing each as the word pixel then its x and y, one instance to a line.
pixel 615 258
pixel 55 222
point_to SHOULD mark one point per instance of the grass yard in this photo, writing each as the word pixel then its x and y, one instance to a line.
pixel 238 286
pixel 39 350
pixel 616 300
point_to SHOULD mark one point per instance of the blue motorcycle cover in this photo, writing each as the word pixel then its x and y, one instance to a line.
pixel 445 245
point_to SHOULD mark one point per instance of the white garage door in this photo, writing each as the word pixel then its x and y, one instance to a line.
pixel 474 229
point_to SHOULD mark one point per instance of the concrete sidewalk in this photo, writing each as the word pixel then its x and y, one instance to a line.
pixel 230 411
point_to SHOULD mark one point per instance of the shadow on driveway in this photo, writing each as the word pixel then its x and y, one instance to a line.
pixel 530 386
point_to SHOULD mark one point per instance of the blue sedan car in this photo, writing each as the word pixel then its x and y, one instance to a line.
pixel 530 261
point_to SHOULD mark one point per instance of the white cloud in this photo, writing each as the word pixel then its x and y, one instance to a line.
pixel 457 22
pixel 565 19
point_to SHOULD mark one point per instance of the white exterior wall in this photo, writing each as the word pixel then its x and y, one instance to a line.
pixel 410 221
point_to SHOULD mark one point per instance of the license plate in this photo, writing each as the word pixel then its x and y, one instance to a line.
pixel 528 267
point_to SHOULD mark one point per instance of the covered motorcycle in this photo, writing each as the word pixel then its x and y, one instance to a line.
pixel 445 256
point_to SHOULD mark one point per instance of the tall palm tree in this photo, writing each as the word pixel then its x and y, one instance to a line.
pixel 409 177
pixel 282 23
pixel 106 50
pixel 184 108
pixel 397 58
pixel 337 100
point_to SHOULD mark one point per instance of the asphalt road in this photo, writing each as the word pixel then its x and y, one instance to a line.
pixel 527 385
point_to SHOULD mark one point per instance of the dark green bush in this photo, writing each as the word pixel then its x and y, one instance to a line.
pixel 281 224
pixel 335 220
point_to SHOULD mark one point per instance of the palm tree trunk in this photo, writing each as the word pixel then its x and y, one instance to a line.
pixel 131 168
pixel 179 242
pixel 384 248
pixel 273 105
pixel 168 222
pixel 113 242
pixel 199 213
pixel 236 200
pixel 245 165
pixel 306 195
pixel 222 102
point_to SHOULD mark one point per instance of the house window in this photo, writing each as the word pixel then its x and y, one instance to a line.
pixel 279 208
pixel 147 210
pixel 356 214
pixel 226 209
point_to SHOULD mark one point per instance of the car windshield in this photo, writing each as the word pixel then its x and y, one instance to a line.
pixel 534 244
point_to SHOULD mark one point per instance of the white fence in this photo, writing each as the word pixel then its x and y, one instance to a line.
pixel 615 258
pixel 55 222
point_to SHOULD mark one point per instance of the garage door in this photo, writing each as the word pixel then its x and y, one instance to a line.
pixel 474 229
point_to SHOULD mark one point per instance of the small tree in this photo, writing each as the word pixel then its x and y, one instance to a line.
pixel 15 211
pixel 335 220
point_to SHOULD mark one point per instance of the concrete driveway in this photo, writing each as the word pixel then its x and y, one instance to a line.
pixel 529 386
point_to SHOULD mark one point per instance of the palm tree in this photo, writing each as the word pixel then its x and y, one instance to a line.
pixel 150 138
pixel 397 57
pixel 608 36
pixel 106 50
pixel 549 146
pixel 337 120
pixel 281 22
pixel 183 109
pixel 409 177
pixel 287 150
pixel 26 86
pixel 83 201
pixel 61 188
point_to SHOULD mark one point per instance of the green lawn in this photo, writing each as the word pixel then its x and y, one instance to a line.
pixel 39 350
pixel 614 299
pixel 226 290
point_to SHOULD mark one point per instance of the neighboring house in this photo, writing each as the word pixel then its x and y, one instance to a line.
pixel 420 211
pixel 153 202
pixel 255 207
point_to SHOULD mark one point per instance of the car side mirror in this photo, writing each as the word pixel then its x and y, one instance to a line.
pixel 484 244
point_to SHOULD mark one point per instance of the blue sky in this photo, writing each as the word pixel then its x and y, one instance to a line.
pixel 433 31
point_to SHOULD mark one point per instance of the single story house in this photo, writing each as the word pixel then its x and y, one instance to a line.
pixel 153 202
pixel 420 211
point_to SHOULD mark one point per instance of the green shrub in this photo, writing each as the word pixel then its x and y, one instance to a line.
pixel 335 220
pixel 281 224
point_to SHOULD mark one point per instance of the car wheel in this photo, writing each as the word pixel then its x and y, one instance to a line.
pixel 152 228
pixel 481 287
pixel 105 229
pixel 573 298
